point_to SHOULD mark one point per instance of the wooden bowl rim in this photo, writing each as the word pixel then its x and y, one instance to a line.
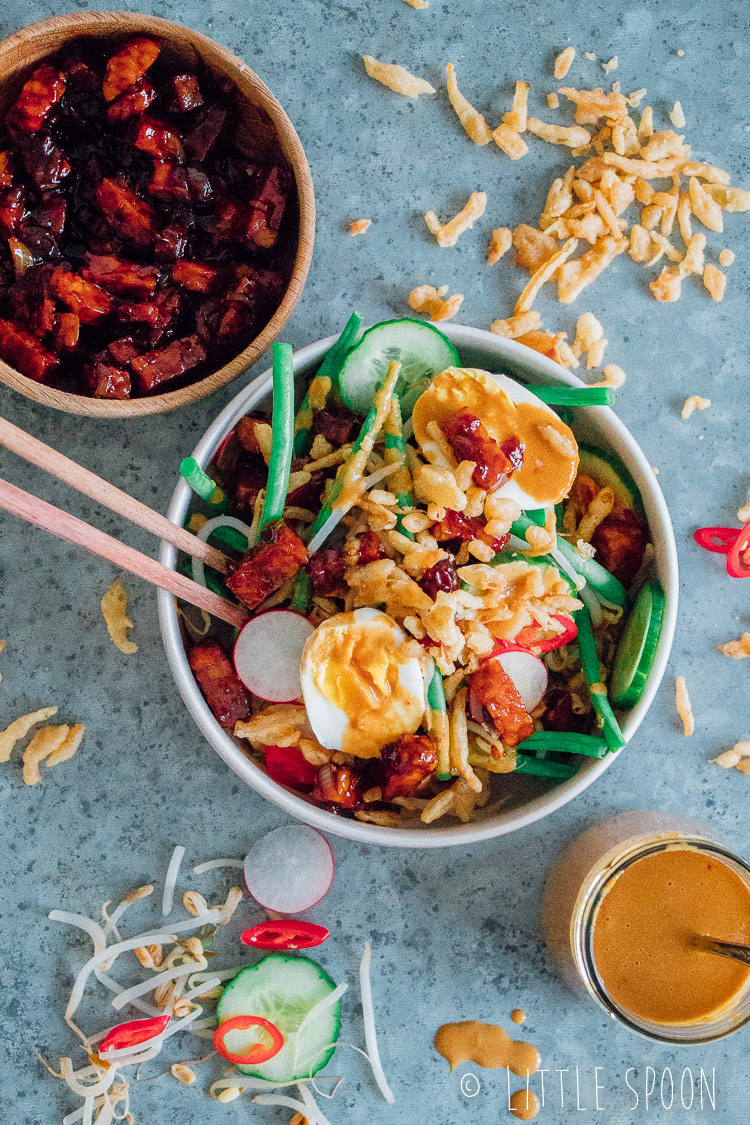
pixel 93 23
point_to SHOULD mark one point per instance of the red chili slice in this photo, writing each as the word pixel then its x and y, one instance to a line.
pixel 286 934
pixel 528 638
pixel 132 1034
pixel 257 1053
pixel 718 539
pixel 288 766
pixel 738 559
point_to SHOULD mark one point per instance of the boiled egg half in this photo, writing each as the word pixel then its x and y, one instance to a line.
pixel 361 687
pixel 506 409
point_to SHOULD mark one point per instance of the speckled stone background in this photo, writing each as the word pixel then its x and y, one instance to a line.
pixel 455 934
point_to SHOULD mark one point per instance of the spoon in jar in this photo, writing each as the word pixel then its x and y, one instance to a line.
pixel 731 949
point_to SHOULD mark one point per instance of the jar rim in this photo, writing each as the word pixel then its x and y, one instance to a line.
pixel 598 882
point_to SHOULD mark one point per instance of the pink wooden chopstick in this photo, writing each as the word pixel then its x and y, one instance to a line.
pixel 65 526
pixel 96 488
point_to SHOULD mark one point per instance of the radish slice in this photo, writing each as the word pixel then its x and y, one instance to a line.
pixel 289 869
pixel 528 673
pixel 268 652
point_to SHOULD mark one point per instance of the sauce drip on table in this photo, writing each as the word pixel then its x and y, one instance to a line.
pixel 524 1104
pixel 487 1045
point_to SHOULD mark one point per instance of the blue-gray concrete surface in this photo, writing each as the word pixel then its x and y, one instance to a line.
pixel 455 934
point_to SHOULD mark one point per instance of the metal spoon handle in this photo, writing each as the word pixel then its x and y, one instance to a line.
pixel 732 949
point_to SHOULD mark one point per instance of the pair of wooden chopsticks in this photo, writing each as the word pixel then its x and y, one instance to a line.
pixel 65 526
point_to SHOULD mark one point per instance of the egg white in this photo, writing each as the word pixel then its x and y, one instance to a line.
pixel 329 722
pixel 518 393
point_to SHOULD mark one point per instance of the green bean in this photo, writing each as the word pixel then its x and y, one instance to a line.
pixel 329 369
pixel 282 435
pixel 575 396
pixel 610 728
pixel 202 485
pixel 301 592
pixel 230 537
pixel 542 767
pixel 565 742
pixel 439 722
pixel 214 581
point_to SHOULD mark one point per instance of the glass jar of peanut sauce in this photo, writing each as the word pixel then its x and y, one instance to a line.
pixel 623 910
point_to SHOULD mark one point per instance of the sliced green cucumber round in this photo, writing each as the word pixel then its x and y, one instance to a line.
pixel 607 470
pixel 284 990
pixel 421 350
pixel 635 652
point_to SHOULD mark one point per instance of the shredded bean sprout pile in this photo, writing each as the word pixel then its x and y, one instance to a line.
pixel 175 954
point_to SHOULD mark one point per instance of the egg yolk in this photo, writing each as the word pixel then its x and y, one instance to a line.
pixel 550 458
pixel 356 667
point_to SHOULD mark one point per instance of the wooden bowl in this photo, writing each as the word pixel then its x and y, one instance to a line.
pixel 258 108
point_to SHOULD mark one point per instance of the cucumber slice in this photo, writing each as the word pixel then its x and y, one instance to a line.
pixel 284 989
pixel 607 470
pixel 635 653
pixel 421 350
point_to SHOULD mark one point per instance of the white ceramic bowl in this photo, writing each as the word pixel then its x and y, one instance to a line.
pixel 596 424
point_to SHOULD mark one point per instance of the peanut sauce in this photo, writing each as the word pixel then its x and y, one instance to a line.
pixel 356 667
pixel 644 932
pixel 487 1045
pixel 524 1104
pixel 550 459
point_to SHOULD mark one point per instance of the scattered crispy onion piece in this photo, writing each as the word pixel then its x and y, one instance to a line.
pixel 114 605
pixel 684 708
pixel 428 299
pixel 46 742
pixel 510 141
pixel 715 281
pixel 20 727
pixel 739 649
pixel 500 243
pixel 397 78
pixel 693 403
pixel 472 120
pixel 447 234
pixel 571 135
pixel 563 62
pixel 543 274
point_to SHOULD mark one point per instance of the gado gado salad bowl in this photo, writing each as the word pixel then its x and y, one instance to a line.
pixel 156 211
pixel 460 603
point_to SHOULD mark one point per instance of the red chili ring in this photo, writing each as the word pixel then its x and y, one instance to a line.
pixel 738 559
pixel 135 1033
pixel 707 537
pixel 257 1053
pixel 285 933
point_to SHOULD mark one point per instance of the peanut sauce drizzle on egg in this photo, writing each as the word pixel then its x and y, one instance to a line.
pixel 550 460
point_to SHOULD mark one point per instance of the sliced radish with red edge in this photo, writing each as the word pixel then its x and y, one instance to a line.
pixel 290 869
pixel 528 674
pixel 267 654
